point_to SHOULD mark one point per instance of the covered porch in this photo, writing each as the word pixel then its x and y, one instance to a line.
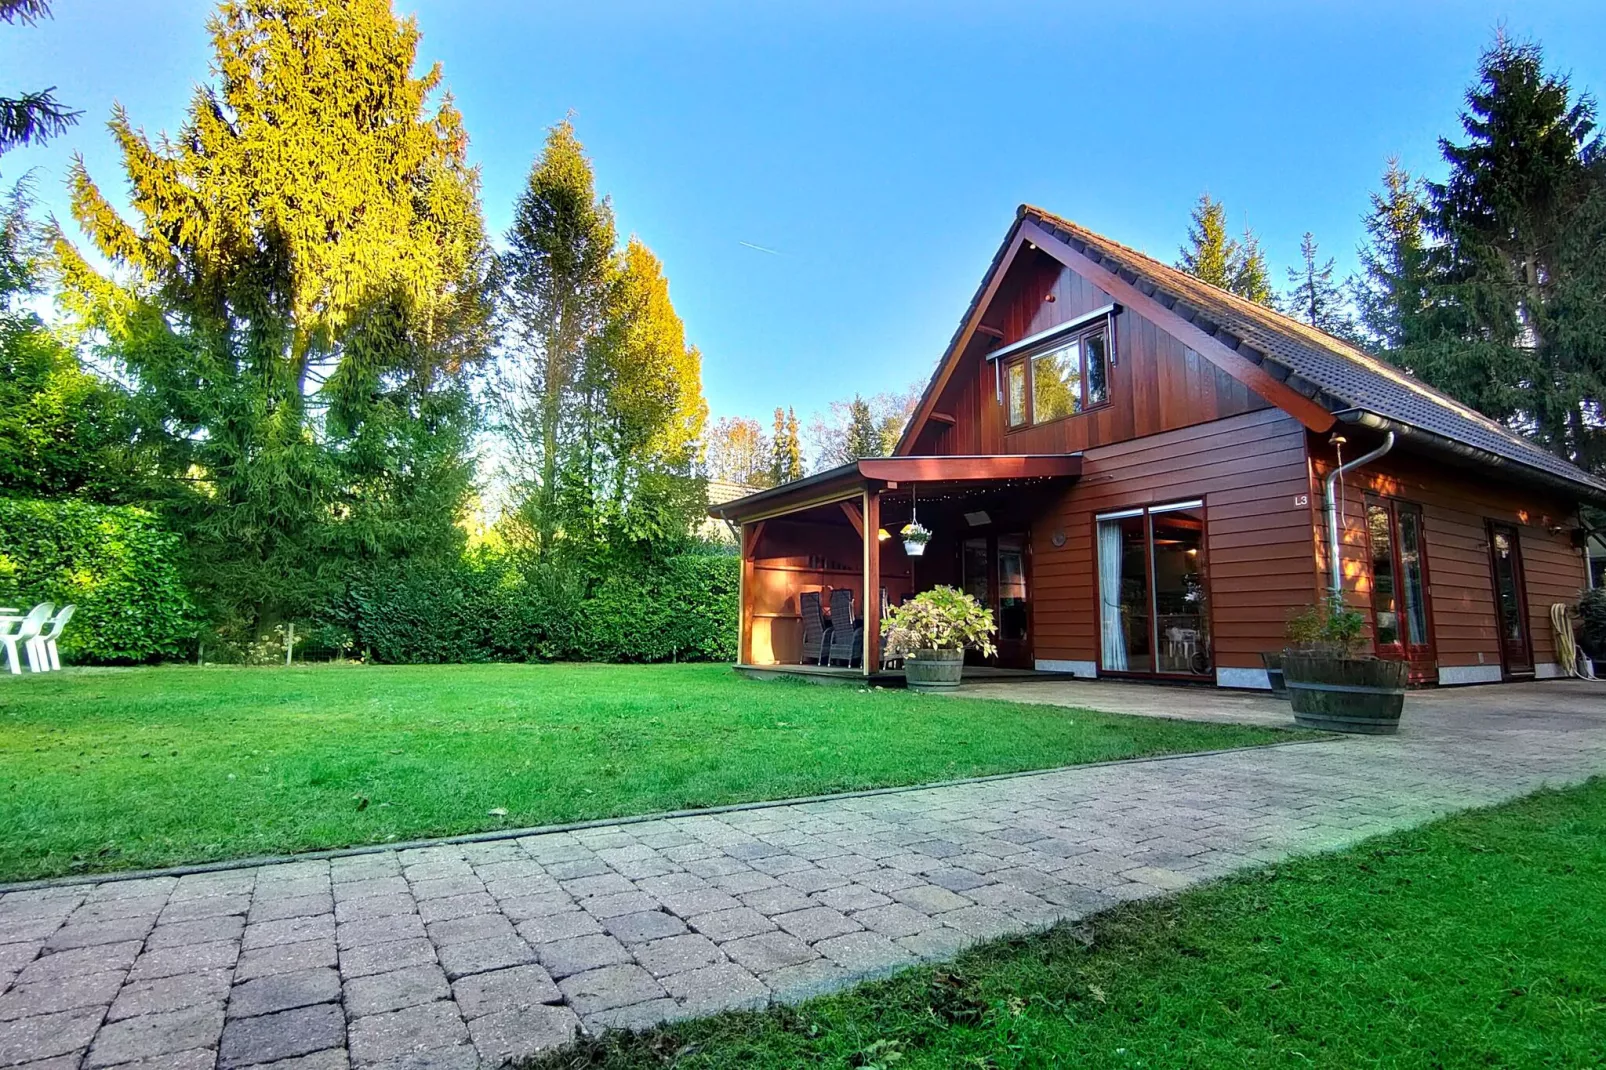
pixel 838 537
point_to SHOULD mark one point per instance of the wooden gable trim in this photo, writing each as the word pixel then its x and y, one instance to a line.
pixel 972 326
pixel 1313 415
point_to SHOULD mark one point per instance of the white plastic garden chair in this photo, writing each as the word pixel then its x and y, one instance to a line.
pixel 23 631
pixel 46 640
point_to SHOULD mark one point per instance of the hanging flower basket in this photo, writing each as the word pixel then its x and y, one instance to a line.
pixel 915 538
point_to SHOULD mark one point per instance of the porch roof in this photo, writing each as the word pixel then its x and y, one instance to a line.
pixel 845 480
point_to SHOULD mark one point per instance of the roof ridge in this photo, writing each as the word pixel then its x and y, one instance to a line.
pixel 1273 320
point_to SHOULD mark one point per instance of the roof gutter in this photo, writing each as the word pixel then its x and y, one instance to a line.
pixel 1330 511
pixel 1440 444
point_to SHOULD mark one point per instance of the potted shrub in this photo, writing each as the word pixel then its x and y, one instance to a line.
pixel 931 633
pixel 1333 687
pixel 915 537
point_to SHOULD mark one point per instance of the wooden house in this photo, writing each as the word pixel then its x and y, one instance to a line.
pixel 1130 466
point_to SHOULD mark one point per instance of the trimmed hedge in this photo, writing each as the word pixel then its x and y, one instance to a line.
pixel 117 564
pixel 487 608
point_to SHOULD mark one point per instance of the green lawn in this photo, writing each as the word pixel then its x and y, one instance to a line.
pixel 1473 942
pixel 109 769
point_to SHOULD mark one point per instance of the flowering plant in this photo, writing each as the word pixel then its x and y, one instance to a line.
pixel 942 618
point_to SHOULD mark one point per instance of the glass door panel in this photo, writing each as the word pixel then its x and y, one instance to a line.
pixel 1385 614
pixel 1510 615
pixel 1179 591
pixel 978 577
pixel 1012 614
pixel 1124 616
pixel 1413 580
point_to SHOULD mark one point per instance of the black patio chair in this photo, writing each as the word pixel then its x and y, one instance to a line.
pixel 847 634
pixel 816 632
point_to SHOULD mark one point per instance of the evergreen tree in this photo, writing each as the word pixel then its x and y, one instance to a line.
pixel 1391 291
pixel 786 451
pixel 1313 296
pixel 63 430
pixel 37 116
pixel 865 436
pixel 738 452
pixel 1221 261
pixel 558 273
pixel 1518 236
pixel 601 397
pixel 297 302
pixel 1251 279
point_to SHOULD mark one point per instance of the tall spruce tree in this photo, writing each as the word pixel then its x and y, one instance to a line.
pixel 1215 257
pixel 297 302
pixel 1391 290
pixel 557 276
pixel 865 436
pixel 600 396
pixel 1519 233
pixel 786 451
pixel 1313 296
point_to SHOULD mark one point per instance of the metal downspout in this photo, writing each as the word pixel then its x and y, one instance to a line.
pixel 1330 509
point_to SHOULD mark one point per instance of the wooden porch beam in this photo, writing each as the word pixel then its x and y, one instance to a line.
pixel 851 511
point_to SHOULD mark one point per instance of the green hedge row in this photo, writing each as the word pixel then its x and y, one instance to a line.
pixel 121 567
pixel 117 564
pixel 490 609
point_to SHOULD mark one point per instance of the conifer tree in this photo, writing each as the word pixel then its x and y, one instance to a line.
pixel 1391 291
pixel 865 438
pixel 1313 296
pixel 786 451
pixel 297 301
pixel 1216 258
pixel 1518 232
pixel 557 274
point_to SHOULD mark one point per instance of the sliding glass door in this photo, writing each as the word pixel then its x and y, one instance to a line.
pixel 1152 599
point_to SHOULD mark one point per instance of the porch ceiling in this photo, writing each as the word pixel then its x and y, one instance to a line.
pixel 883 472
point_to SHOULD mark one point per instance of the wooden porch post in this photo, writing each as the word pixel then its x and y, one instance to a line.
pixel 872 579
pixel 744 592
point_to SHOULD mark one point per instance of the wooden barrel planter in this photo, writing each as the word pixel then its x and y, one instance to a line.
pixel 1274 673
pixel 933 670
pixel 1363 695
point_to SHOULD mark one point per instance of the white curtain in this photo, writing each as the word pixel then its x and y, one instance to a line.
pixel 1114 636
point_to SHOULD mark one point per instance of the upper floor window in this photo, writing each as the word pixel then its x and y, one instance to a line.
pixel 1071 376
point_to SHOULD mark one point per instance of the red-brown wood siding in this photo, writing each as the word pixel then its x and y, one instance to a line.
pixel 1456 508
pixel 1157 384
pixel 1250 471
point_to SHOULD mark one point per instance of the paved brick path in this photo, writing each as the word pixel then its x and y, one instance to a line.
pixel 463 956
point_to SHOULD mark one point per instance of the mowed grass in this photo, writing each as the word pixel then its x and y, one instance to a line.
pixel 1473 942
pixel 111 769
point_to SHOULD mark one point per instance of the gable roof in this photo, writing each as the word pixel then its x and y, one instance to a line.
pixel 1347 381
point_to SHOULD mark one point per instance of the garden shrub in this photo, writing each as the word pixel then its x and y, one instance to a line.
pixel 494 607
pixel 117 564
pixel 1592 611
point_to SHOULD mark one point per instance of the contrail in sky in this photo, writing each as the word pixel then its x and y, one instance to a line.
pixel 760 248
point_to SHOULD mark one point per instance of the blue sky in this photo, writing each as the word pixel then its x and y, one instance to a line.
pixel 878 148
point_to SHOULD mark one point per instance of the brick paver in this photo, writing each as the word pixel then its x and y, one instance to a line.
pixel 474 954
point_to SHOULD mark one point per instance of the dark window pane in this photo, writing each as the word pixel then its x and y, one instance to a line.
pixel 1380 533
pixel 1505 574
pixel 1011 588
pixel 1057 383
pixel 978 581
pixel 1096 349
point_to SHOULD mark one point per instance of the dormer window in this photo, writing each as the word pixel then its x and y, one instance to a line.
pixel 1063 377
